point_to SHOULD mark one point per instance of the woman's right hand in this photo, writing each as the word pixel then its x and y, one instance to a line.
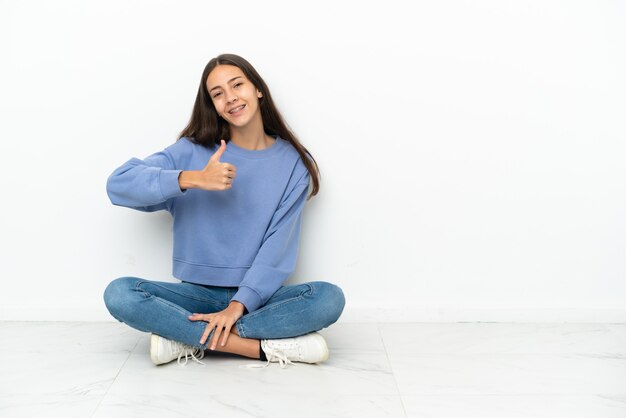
pixel 216 175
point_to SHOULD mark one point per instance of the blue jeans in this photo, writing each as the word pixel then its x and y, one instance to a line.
pixel 163 308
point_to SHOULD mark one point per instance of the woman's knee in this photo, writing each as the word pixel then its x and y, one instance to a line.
pixel 116 294
pixel 331 299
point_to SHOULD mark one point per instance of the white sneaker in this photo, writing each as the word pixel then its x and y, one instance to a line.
pixel 163 351
pixel 309 348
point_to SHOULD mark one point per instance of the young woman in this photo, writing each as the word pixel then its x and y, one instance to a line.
pixel 235 183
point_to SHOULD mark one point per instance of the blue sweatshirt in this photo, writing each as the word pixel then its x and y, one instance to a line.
pixel 246 236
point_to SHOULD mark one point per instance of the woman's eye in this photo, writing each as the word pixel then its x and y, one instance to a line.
pixel 238 84
pixel 216 94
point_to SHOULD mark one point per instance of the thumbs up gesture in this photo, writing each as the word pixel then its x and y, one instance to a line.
pixel 217 175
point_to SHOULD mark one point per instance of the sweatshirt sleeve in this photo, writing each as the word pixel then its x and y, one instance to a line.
pixel 276 258
pixel 145 185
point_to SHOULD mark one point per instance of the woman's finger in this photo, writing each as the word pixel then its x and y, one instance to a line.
pixel 216 336
pixel 206 333
pixel 199 317
pixel 226 334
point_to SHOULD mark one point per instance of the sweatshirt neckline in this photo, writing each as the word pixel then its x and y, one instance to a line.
pixel 249 153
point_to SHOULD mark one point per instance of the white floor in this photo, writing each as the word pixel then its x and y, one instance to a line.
pixel 483 370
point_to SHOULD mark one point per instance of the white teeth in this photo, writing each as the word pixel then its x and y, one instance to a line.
pixel 236 109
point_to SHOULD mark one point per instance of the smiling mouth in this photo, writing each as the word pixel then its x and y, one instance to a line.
pixel 237 109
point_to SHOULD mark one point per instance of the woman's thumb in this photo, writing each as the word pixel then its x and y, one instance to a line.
pixel 220 151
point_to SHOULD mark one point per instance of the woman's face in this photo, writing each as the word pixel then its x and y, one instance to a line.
pixel 235 98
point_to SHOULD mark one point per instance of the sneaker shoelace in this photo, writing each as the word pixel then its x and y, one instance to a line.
pixel 192 352
pixel 281 354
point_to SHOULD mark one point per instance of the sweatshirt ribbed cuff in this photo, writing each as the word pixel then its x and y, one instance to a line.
pixel 250 299
pixel 168 180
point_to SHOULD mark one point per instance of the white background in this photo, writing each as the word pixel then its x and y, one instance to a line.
pixel 472 153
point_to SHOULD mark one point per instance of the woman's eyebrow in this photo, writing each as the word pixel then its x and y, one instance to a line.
pixel 217 87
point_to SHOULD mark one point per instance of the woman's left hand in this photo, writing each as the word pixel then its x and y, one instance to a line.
pixel 219 321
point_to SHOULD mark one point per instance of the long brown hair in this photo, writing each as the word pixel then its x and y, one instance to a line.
pixel 207 128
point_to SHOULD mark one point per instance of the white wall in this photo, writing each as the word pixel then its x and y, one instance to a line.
pixel 471 152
